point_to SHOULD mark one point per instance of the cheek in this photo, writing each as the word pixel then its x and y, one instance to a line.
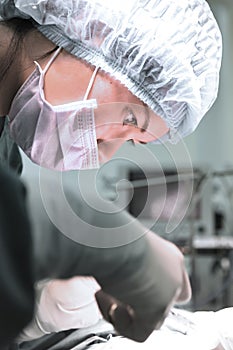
pixel 110 131
pixel 103 90
pixel 107 119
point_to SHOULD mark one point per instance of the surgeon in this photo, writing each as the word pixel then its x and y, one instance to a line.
pixel 78 79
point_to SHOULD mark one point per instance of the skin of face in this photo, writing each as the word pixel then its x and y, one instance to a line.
pixel 119 117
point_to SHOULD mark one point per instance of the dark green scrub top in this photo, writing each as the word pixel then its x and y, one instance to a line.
pixel 9 153
pixel 16 258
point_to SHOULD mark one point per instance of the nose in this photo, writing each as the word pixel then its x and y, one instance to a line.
pixel 107 149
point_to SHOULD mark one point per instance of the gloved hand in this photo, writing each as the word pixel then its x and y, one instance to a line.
pixel 141 274
pixel 62 305
pixel 122 316
pixel 150 298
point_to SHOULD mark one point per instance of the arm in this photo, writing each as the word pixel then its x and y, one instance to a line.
pixel 16 261
pixel 133 265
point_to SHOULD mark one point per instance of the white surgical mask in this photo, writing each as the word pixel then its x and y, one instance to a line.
pixel 56 137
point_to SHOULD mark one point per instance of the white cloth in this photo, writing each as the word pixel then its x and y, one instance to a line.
pixel 183 330
pixel 224 321
pixel 62 305
pixel 69 304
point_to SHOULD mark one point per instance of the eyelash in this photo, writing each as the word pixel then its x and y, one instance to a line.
pixel 132 119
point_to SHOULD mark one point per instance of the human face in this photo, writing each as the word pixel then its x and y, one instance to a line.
pixel 122 117
pixel 118 122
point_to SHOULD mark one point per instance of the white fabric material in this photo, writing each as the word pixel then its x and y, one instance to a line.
pixel 224 321
pixel 183 330
pixel 69 304
pixel 58 137
pixel 62 305
pixel 166 52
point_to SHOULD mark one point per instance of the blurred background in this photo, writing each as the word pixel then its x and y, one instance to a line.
pixel 183 192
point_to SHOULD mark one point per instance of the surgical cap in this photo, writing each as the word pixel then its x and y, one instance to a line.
pixel 166 52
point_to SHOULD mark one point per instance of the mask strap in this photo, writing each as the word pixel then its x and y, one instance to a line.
pixel 51 60
pixel 90 83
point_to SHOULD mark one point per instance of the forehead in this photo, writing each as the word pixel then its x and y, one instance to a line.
pixel 108 89
pixel 68 78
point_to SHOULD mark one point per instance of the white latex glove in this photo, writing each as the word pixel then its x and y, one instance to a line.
pixel 62 305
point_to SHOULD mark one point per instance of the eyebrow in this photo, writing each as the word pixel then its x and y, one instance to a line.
pixel 147 119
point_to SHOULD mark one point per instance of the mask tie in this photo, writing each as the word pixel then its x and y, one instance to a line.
pixel 91 82
pixel 51 60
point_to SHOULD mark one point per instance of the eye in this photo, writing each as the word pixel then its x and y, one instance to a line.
pixel 129 118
